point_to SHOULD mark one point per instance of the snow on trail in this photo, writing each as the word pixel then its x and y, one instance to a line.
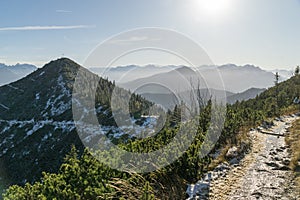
pixel 269 176
pixel 261 174
pixel 266 174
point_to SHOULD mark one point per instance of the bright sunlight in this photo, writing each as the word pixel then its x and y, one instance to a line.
pixel 214 8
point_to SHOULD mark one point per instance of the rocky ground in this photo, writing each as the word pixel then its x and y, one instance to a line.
pixel 261 174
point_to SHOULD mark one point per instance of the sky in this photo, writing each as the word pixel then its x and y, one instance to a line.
pixel 265 33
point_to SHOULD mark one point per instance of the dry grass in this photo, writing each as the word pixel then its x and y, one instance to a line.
pixel 241 140
pixel 293 140
pixel 290 110
pixel 220 158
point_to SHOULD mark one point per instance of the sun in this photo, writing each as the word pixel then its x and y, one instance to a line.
pixel 213 7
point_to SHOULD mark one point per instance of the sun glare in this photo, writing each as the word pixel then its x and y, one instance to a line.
pixel 213 7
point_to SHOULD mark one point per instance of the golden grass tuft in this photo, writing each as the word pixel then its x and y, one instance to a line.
pixel 293 141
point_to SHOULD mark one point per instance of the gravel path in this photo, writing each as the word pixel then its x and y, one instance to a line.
pixel 261 174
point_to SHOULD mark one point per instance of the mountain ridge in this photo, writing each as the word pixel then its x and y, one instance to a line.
pixel 11 73
pixel 246 76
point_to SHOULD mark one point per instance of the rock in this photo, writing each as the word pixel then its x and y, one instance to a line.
pixel 279 150
pixel 286 162
pixel 232 152
pixel 287 130
pixel 262 170
pixel 215 154
pixel 272 164
pixel 264 125
pixel 276 158
pixel 190 190
pixel 222 167
pixel 283 168
pixel 208 177
pixel 283 148
pixel 267 125
pixel 200 189
pixel 234 161
pixel 257 194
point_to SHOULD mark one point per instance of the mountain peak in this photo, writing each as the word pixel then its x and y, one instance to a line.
pixel 185 69
pixel 228 66
pixel 62 63
pixel 36 118
pixel 252 67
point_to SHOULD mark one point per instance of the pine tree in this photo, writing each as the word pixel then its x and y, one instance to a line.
pixel 297 70
pixel 276 92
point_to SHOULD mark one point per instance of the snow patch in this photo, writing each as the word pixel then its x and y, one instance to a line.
pixel 37 96
pixel 3 106
pixel 15 88
pixel 35 128
pixel 42 73
pixel 61 83
pixel 58 106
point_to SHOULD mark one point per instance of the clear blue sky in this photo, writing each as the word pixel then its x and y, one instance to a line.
pixel 261 32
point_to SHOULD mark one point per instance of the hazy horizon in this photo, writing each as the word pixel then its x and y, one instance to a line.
pixel 149 64
pixel 263 33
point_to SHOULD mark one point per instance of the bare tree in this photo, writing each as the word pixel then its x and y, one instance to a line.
pixel 199 97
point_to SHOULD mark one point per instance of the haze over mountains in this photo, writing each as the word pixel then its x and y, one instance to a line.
pixel 243 96
pixel 122 74
pixel 247 76
pixel 160 83
pixel 13 73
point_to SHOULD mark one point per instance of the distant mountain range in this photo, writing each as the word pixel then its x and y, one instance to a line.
pixel 235 78
pixel 13 73
pixel 127 73
pixel 163 84
pixel 246 95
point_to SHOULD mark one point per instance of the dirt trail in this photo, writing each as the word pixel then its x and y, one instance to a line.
pixel 261 174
